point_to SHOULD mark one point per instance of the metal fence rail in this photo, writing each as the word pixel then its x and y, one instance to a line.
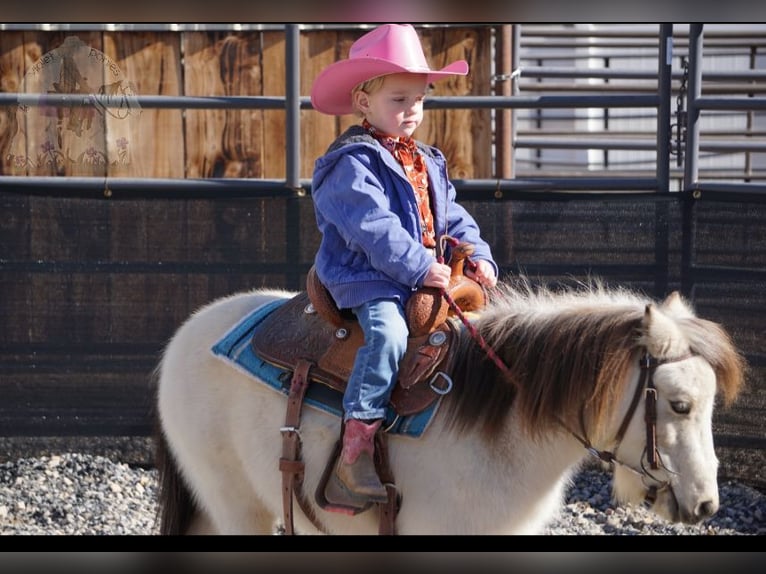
pixel 654 95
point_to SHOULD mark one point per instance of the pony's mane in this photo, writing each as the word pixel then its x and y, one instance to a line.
pixel 569 353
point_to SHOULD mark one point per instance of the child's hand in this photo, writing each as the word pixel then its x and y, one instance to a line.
pixel 484 273
pixel 438 275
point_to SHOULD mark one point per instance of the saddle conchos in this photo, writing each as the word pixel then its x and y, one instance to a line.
pixel 311 336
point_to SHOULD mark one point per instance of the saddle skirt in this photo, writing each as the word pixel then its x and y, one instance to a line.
pixel 297 331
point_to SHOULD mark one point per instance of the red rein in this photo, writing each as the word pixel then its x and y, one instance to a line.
pixel 468 325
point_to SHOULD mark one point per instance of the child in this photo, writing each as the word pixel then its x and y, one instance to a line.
pixel 382 202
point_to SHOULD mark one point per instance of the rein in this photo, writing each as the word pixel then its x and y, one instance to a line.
pixel 648 390
pixel 463 319
pixel 477 336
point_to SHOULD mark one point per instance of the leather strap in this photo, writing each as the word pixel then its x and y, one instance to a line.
pixel 645 375
pixel 291 464
pixel 389 509
pixel 292 467
pixel 650 416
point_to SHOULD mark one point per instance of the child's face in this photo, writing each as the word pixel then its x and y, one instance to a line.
pixel 396 109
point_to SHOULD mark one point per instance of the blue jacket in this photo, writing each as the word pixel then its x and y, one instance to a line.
pixel 366 211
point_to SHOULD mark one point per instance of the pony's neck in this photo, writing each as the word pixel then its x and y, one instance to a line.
pixel 543 470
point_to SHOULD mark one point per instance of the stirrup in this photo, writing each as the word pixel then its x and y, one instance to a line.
pixel 333 496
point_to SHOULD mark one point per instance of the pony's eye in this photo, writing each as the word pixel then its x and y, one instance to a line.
pixel 681 407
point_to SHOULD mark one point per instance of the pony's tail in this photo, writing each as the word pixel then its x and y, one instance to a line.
pixel 176 508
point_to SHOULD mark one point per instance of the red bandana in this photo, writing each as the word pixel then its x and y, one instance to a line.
pixel 407 154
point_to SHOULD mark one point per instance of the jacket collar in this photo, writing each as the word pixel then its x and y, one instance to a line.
pixel 357 134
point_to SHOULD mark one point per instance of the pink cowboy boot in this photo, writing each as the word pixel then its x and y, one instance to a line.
pixel 355 469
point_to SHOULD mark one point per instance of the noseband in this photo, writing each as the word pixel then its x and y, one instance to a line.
pixel 648 390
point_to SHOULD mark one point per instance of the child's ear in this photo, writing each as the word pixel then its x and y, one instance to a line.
pixel 361 101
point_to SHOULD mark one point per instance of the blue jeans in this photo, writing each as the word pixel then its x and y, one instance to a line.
pixel 377 361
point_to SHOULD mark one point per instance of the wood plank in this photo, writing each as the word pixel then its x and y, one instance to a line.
pixel 40 124
pixel 81 130
pixel 273 139
pixel 203 128
pixel 479 46
pixel 152 62
pixel 13 64
pixel 59 140
pixel 242 138
pixel 462 134
pixel 121 116
pixel 318 130
pixel 345 40
pixel 229 143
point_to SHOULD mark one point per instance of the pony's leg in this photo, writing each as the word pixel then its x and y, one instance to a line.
pixel 240 520
pixel 232 507
pixel 237 518
pixel 201 525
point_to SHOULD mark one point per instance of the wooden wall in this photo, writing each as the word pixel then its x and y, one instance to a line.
pixel 175 143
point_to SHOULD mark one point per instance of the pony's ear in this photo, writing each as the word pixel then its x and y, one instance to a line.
pixel 676 306
pixel 662 337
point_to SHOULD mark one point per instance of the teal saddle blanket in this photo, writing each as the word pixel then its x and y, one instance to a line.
pixel 236 349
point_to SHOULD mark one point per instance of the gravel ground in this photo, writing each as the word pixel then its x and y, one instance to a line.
pixel 85 494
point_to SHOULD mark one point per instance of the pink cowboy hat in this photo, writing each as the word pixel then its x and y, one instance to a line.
pixel 388 49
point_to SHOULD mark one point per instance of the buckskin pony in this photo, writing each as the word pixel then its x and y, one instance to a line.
pixel 583 370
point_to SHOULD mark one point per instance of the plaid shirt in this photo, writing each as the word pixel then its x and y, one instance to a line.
pixel 406 153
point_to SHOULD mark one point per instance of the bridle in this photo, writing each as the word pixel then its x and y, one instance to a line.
pixel 648 390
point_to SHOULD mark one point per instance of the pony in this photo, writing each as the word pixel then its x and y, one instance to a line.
pixel 588 370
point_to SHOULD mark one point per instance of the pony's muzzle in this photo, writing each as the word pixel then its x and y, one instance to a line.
pixel 705 510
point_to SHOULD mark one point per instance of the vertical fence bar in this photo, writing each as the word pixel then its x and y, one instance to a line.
pixel 293 105
pixel 664 69
pixel 691 158
pixel 507 60
pixel 691 154
pixel 515 67
pixel 293 149
pixel 503 119
pixel 661 208
pixel 750 117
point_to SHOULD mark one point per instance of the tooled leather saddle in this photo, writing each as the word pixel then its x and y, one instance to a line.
pixel 310 327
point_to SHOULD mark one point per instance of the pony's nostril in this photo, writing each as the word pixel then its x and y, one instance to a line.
pixel 706 509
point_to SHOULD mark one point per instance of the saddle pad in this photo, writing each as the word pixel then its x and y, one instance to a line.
pixel 235 349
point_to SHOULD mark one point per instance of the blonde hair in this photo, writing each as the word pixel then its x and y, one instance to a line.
pixel 368 87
